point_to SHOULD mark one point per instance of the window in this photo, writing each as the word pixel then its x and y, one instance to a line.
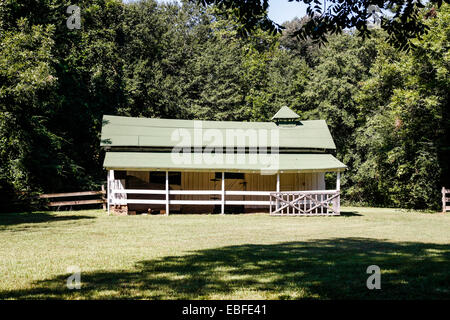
pixel 160 177
pixel 230 175
pixel 118 174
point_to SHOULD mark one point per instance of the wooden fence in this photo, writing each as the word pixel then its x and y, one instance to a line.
pixel 77 202
pixel 445 199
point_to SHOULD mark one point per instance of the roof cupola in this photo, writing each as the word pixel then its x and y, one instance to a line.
pixel 286 117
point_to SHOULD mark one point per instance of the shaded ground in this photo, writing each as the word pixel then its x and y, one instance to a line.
pixel 334 268
pixel 325 267
pixel 7 219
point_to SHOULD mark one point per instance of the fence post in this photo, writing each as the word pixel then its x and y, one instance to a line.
pixel 222 206
pixel 167 193
pixel 277 203
pixel 270 204
pixel 443 200
pixel 338 207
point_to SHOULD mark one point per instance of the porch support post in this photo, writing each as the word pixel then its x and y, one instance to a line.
pixel 338 181
pixel 167 193
pixel 278 182
pixel 108 191
pixel 110 188
pixel 338 188
pixel 223 194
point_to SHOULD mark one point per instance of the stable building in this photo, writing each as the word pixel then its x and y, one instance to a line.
pixel 191 166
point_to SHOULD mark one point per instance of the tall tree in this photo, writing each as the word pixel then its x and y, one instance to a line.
pixel 29 151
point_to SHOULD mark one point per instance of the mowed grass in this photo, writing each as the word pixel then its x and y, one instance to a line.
pixel 251 256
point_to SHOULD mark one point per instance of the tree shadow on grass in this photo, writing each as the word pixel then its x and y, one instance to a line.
pixel 9 219
pixel 325 269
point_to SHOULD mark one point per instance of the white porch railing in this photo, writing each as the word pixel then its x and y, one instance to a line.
pixel 120 194
pixel 305 203
pixel 322 202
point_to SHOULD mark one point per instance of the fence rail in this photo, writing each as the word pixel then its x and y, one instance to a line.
pixel 77 202
pixel 445 199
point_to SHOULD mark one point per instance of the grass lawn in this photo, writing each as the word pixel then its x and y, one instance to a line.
pixel 252 256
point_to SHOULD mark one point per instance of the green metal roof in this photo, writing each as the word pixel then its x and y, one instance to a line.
pixel 285 113
pixel 146 132
pixel 287 162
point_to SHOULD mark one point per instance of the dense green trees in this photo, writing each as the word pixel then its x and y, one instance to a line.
pixel 403 143
pixel 387 110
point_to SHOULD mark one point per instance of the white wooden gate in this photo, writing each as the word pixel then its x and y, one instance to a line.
pixel 305 203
